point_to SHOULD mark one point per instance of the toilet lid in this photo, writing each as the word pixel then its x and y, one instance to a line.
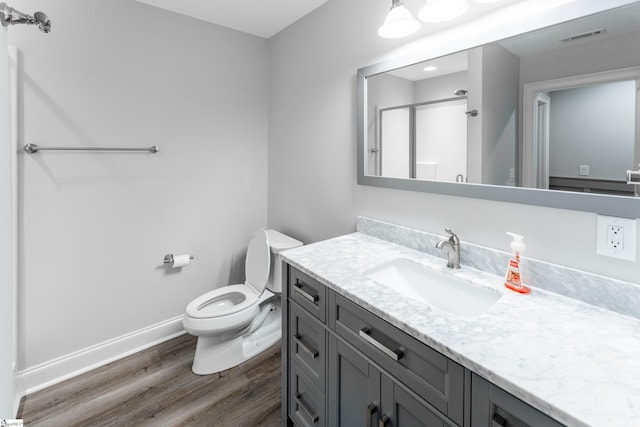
pixel 258 262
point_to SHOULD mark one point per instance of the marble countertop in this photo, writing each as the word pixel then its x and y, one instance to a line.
pixel 578 363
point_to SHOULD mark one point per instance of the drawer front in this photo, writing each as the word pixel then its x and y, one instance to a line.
pixel 306 401
pixel 493 407
pixel 309 293
pixel 307 344
pixel 428 373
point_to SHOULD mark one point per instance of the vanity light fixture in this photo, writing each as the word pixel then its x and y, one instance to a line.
pixel 399 22
pixel 442 10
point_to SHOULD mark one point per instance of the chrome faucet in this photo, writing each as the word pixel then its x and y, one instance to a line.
pixel 453 246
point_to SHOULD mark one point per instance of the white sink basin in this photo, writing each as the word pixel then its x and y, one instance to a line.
pixel 444 291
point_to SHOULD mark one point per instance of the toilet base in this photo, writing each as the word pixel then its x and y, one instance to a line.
pixel 215 354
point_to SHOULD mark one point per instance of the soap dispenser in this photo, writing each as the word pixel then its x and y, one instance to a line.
pixel 513 280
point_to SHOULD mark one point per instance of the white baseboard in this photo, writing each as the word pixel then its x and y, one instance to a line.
pixel 16 404
pixel 65 367
pixel 18 390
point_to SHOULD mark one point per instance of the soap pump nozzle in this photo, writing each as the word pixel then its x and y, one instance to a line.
pixel 517 244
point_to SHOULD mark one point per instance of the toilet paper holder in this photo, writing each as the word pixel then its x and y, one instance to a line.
pixel 168 259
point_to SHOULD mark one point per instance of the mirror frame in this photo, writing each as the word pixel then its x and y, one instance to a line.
pixel 612 205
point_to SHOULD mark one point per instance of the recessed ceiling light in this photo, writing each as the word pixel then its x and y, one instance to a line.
pixel 430 68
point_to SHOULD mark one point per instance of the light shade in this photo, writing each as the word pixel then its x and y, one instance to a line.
pixel 398 23
pixel 442 10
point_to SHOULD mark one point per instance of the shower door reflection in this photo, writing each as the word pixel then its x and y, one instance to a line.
pixel 425 141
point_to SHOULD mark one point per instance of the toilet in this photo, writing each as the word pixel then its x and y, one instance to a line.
pixel 237 322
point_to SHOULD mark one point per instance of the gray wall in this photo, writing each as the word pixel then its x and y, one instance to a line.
pixel 493 91
pixel 6 251
pixel 96 226
pixel 611 53
pixel 312 151
pixel 587 125
pixel 500 73
pixel 440 87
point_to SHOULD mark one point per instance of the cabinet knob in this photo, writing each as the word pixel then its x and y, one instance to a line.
pixel 384 421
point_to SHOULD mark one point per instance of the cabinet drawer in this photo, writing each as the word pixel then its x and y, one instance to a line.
pixel 307 341
pixel 493 407
pixel 428 373
pixel 306 401
pixel 309 293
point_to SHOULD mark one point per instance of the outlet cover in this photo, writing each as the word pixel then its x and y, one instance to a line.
pixel 616 237
pixel 584 170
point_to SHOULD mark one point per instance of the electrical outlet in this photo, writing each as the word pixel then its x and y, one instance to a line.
pixel 584 170
pixel 616 237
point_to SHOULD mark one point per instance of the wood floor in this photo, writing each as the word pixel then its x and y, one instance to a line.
pixel 157 388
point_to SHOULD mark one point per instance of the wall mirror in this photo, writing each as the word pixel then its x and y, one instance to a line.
pixel 550 118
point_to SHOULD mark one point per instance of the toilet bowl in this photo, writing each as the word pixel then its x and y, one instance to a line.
pixel 236 322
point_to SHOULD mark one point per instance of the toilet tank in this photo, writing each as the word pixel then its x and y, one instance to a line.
pixel 278 242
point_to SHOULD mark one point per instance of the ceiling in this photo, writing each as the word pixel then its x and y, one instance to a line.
pixel 262 18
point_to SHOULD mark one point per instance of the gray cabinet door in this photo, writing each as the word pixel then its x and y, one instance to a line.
pixel 354 387
pixel 493 407
pixel 401 407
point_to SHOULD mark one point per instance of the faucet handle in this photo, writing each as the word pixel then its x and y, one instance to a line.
pixel 454 237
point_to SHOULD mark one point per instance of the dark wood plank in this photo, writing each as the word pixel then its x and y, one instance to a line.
pixel 156 387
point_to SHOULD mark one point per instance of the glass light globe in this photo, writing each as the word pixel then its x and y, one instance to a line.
pixel 398 23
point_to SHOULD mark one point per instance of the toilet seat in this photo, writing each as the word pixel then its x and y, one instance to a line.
pixel 222 302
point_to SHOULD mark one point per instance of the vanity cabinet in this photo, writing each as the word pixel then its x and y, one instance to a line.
pixel 345 366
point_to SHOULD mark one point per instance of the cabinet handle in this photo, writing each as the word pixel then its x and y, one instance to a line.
pixel 384 421
pixel 371 409
pixel 305 294
pixel 298 339
pixel 394 354
pixel 498 421
pixel 314 418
